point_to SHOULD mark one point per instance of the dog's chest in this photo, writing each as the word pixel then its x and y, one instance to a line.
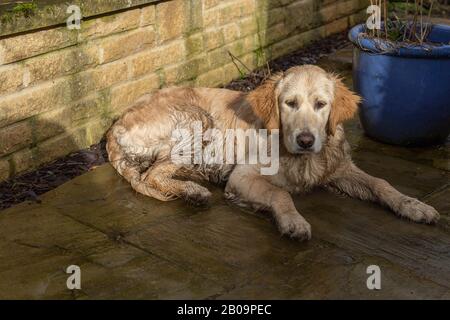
pixel 303 173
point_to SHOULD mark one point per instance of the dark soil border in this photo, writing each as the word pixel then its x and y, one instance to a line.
pixel 28 186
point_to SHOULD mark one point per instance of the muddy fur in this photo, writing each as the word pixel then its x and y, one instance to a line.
pixel 304 99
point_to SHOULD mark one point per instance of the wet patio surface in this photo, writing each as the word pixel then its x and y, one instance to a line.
pixel 129 246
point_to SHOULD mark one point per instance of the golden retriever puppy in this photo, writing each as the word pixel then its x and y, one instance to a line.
pixel 305 105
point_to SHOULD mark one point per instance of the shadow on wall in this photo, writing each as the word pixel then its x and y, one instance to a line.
pixel 71 162
pixel 284 26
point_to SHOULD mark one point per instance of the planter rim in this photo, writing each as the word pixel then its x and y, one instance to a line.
pixel 356 36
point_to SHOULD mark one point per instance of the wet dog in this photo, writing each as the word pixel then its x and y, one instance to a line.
pixel 305 104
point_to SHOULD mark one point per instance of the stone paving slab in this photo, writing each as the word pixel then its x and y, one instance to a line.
pixel 359 227
pixel 129 246
pixel 437 157
pixel 409 177
pixel 328 272
pixel 38 243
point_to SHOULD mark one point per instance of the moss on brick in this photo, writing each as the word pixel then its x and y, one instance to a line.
pixel 27 9
pixel 162 78
pixel 34 15
pixel 194 44
pixel 105 104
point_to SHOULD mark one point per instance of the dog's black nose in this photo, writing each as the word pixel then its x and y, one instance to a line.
pixel 305 140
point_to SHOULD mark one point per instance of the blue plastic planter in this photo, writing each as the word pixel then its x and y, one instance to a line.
pixel 406 93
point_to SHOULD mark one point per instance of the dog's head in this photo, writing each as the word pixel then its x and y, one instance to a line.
pixel 307 104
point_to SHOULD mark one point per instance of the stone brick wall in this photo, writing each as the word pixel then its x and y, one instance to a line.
pixel 61 89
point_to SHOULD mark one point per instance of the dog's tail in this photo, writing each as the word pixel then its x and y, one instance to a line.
pixel 118 159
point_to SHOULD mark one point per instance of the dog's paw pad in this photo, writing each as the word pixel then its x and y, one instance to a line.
pixel 294 226
pixel 418 211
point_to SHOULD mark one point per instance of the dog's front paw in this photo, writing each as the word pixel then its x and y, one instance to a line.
pixel 294 226
pixel 196 194
pixel 417 211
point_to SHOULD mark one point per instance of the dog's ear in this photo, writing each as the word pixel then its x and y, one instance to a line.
pixel 264 102
pixel 344 106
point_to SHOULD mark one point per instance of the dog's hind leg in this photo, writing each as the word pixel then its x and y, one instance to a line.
pixel 160 177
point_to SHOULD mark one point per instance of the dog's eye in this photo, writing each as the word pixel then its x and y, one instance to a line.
pixel 291 103
pixel 320 104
